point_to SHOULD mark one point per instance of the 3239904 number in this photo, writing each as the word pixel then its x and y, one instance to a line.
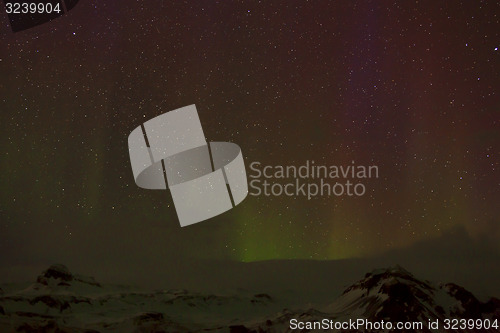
pixel 32 8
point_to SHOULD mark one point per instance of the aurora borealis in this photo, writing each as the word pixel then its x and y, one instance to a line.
pixel 411 87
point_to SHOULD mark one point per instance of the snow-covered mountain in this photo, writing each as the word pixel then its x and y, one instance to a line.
pixel 60 301
pixel 395 295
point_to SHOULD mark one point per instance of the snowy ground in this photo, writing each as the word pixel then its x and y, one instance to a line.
pixel 62 301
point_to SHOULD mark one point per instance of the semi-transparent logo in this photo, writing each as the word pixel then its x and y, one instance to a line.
pixel 170 152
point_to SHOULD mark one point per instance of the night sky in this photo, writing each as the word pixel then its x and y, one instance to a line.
pixel 411 87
